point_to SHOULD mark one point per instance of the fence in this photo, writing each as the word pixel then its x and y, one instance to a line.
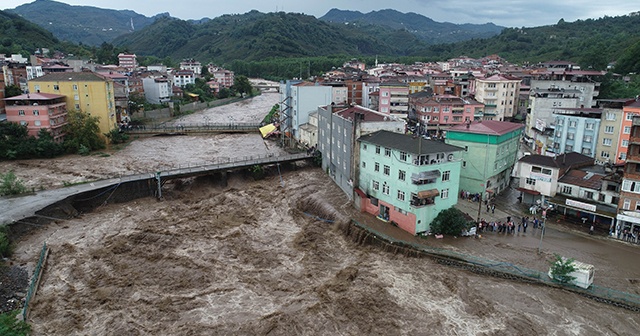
pixel 502 269
pixel 35 280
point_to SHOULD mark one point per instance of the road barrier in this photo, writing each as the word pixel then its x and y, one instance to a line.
pixel 35 280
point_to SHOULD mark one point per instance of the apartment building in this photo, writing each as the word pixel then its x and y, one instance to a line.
pixel 499 94
pixel 38 111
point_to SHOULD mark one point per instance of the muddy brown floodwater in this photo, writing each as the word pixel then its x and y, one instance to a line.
pixel 245 259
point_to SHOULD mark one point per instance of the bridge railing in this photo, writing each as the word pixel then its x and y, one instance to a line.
pixel 193 127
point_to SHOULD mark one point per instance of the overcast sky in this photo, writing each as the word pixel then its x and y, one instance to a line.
pixel 509 13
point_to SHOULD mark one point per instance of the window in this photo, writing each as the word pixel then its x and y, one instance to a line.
pixel 546 171
pixel 627 130
pixel 588 194
pixel 572 123
pixel 623 156
pixel 387 170
pixel 387 152
pixel 570 136
pixel 466 148
pixel 364 146
pixel 400 195
pixel 24 123
pixel 36 112
pixel 611 116
pixel 560 122
pixel 625 143
pixel 376 167
pixel 403 156
pixel 530 181
pixel 56 87
pixel 75 87
pixel 587 138
pixel 364 164
pixel 629 116
pixel 20 112
pixel 385 188
pixel 446 175
pixel 568 148
pixel 376 185
pixel 77 107
pixel 608 129
pixel 627 204
pixel 402 175
pixel 37 123
pixel 606 142
pixel 444 193
pixel 464 164
pixel 589 126
pixel 377 149
pixel 566 190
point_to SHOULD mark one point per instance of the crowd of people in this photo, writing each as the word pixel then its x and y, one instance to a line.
pixel 509 226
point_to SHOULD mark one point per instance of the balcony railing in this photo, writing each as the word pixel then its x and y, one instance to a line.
pixel 634 140
pixel 633 158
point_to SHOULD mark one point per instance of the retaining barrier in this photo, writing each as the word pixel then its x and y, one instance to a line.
pixel 35 280
pixel 364 234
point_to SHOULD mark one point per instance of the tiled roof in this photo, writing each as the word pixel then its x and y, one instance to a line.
pixel 492 127
pixel 85 76
pixel 367 114
pixel 582 179
pixel 408 143
pixel 566 160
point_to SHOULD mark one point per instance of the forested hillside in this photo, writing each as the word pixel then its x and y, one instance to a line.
pixel 83 24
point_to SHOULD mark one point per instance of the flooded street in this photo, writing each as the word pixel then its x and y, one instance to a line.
pixel 269 257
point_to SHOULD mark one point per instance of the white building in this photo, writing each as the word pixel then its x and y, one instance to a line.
pixel 157 90
pixel 298 100
pixel 499 94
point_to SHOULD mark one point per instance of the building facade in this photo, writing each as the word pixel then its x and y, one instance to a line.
pixel 628 226
pixel 576 130
pixel 39 111
pixel 499 94
pixel 405 180
pixel 127 61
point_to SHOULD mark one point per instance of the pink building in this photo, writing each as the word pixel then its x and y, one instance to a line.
pixel 443 111
pixel 127 61
pixel 38 111
pixel 394 98
pixel 223 76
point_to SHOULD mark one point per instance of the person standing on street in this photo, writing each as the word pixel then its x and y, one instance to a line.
pixel 591 229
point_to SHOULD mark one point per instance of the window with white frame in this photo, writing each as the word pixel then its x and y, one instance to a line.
pixel 402 175
pixel 631 186
pixel 446 176
pixel 625 143
pixel 572 123
pixel 629 116
pixel 588 194
pixel 387 152
pixel 588 138
pixel 570 136
pixel 376 167
pixel 610 116
pixel 627 204
pixel 444 193
pixel 376 185
pixel 606 142
pixel 385 188
pixel 403 156
pixel 21 112
pixel 377 149
pixel 604 154
pixel 400 195
pixel 364 164
pixel 627 130
pixel 530 181
pixel 386 170
pixel 566 189
pixel 589 126
pixel 608 129
pixel 623 156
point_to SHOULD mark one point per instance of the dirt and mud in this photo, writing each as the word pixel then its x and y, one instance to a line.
pixel 250 258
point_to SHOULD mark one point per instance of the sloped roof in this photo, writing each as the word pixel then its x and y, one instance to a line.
pixel 566 160
pixel 34 96
pixel 408 143
pixel 492 127
pixel 84 76
pixel 582 179
pixel 367 114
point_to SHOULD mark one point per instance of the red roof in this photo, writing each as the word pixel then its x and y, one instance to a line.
pixel 582 179
pixel 367 114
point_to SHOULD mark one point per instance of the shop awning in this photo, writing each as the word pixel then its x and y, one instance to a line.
pixel 527 191
pixel 428 193
pixel 425 175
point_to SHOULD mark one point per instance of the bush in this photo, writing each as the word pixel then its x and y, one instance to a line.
pixel 450 222
pixel 11 326
pixel 116 137
pixel 11 185
pixel 561 268
pixel 257 171
pixel 5 244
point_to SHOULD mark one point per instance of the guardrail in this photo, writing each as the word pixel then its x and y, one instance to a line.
pixel 35 280
pixel 193 128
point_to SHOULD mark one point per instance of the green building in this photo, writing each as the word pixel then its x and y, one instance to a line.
pixel 490 152
pixel 406 180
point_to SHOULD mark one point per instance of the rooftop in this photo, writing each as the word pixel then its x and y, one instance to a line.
pixel 566 160
pixel 492 127
pixel 85 76
pixel 365 113
pixel 582 179
pixel 408 143
pixel 34 96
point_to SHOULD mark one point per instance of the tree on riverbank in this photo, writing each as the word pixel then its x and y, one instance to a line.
pixel 449 222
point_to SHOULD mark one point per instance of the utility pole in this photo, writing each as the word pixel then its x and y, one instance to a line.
pixel 544 227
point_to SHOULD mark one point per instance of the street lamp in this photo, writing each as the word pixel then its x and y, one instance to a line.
pixel 544 226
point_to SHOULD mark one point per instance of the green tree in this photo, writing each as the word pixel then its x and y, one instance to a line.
pixel 12 91
pixel 561 268
pixel 82 132
pixel 116 137
pixel 205 73
pixel 449 222
pixel 629 61
pixel 242 85
pixel 5 244
pixel 10 325
pixel 11 185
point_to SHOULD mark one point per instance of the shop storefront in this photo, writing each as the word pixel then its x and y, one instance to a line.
pixel 603 217
pixel 628 227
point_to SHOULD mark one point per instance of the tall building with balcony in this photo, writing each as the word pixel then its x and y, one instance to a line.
pixel 127 61
pixel 192 65
pixel 499 94
pixel 86 91
pixel 630 111
pixel 629 207
pixel 610 123
pixel 440 112
pixel 38 111
pixel 406 180
pixel 576 130
pixel 394 99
